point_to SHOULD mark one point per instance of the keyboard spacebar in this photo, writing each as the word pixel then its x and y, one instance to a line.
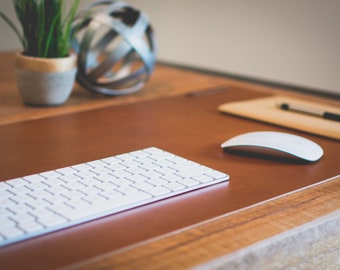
pixel 105 206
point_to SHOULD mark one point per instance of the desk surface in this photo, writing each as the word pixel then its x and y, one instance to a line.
pixel 90 127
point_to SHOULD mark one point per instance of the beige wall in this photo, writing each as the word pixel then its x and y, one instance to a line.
pixel 287 41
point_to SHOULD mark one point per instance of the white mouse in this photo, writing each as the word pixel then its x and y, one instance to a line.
pixel 275 144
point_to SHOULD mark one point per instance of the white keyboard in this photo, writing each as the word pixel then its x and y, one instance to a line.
pixel 41 203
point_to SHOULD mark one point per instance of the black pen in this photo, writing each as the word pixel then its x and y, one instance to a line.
pixel 310 111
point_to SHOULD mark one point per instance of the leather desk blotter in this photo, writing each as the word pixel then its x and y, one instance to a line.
pixel 266 109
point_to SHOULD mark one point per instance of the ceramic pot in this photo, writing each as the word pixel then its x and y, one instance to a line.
pixel 45 81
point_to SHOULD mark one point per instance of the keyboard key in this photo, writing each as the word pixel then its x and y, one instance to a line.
pixel 52 220
pixel 30 226
pixel 16 182
pixel 6 222
pixel 188 182
pixel 174 186
pixel 11 232
pixel 158 191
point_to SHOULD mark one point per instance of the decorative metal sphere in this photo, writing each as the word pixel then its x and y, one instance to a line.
pixel 116 48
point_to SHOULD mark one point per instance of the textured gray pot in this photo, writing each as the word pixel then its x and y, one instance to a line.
pixel 45 81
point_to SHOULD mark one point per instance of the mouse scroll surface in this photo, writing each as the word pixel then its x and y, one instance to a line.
pixel 272 143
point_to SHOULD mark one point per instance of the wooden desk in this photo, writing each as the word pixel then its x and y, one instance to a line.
pixel 166 81
pixel 91 127
pixel 298 230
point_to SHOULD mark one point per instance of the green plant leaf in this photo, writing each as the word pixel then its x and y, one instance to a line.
pixel 67 25
pixel 14 28
pixel 45 32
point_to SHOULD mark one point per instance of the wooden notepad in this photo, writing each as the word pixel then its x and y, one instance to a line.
pixel 267 110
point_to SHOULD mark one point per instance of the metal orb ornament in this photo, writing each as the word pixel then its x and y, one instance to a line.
pixel 116 48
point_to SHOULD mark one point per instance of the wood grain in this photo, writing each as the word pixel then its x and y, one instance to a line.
pixel 245 239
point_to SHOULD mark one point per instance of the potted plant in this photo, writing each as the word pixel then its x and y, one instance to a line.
pixel 46 67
